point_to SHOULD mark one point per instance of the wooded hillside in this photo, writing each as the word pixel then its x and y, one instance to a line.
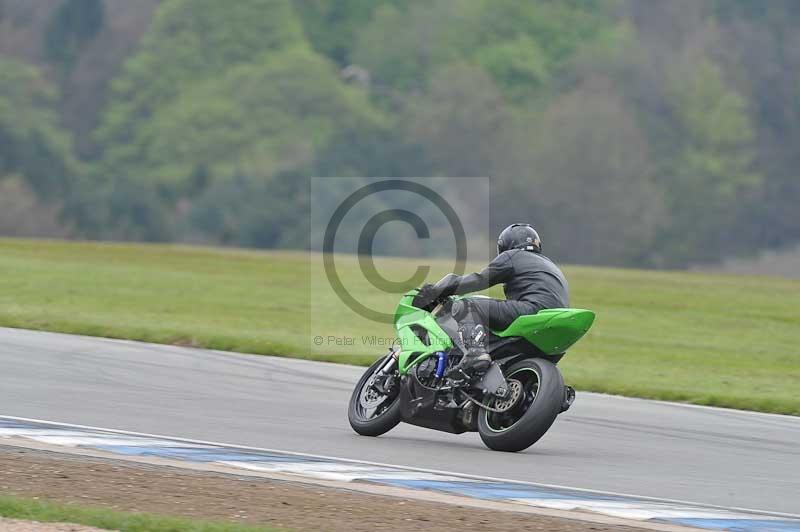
pixel 656 133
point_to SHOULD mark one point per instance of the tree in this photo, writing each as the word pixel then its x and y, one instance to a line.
pixel 700 102
pixel 73 24
pixel 261 118
pixel 252 212
pixel 402 47
pixel 583 176
pixel 759 49
pixel 458 120
pixel 713 167
pixel 223 110
pixel 32 144
pixel 23 214
pixel 559 27
pixel 519 43
pixel 189 41
pixel 331 25
pixel 519 65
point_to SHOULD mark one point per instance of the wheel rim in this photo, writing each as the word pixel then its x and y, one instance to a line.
pixel 501 422
pixel 371 403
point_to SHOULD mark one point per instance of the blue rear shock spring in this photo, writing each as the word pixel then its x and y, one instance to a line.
pixel 441 363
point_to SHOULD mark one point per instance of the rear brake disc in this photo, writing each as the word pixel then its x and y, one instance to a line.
pixel 512 398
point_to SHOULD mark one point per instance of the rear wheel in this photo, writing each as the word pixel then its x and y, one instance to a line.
pixel 532 415
pixel 372 411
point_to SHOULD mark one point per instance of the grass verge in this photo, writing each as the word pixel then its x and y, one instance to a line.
pixel 708 339
pixel 50 512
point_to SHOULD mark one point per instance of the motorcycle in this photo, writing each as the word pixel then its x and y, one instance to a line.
pixel 511 405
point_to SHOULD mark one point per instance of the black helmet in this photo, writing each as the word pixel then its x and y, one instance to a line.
pixel 519 236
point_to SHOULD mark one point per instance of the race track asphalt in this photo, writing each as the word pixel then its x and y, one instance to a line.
pixel 648 448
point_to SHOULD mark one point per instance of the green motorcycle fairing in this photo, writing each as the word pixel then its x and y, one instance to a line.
pixel 408 320
pixel 552 331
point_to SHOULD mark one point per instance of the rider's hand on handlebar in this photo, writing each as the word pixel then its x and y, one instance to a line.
pixel 426 296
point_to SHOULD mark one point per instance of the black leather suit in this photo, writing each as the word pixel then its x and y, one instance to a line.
pixel 531 282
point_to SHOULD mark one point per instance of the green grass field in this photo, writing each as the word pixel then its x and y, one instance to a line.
pixel 49 512
pixel 707 339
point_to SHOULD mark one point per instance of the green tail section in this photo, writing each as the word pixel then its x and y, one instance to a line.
pixel 554 330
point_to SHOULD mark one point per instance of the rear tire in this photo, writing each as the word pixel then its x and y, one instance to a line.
pixel 544 387
pixel 383 422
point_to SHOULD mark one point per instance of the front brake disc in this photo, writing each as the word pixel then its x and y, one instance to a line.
pixel 370 397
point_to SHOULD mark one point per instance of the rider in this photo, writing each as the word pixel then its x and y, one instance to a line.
pixel 531 282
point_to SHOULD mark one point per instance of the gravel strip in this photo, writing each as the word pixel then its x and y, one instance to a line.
pixel 15 525
pixel 128 486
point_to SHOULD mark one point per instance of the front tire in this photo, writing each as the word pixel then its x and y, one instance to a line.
pixel 386 415
pixel 525 423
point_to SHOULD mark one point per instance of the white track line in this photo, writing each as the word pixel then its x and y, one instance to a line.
pixel 407 468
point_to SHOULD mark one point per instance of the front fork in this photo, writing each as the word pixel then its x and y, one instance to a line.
pixel 384 380
pixel 391 362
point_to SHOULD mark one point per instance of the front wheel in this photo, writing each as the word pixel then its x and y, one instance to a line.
pixel 372 412
pixel 542 390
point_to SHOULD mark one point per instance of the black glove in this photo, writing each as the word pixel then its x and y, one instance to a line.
pixel 426 296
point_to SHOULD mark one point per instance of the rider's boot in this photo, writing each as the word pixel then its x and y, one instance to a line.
pixel 476 360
